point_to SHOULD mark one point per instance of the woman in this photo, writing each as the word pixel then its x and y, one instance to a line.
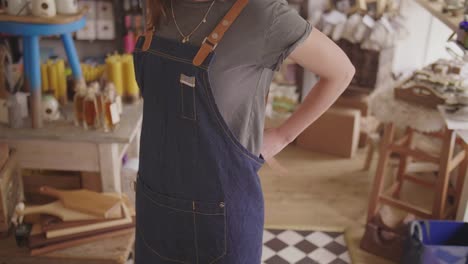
pixel 204 73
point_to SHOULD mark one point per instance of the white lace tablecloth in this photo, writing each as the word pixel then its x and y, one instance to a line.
pixel 386 108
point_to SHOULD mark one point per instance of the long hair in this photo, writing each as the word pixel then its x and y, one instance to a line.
pixel 155 10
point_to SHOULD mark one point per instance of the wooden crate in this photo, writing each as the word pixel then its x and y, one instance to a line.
pixel 373 68
pixel 34 179
pixel 11 190
pixel 336 133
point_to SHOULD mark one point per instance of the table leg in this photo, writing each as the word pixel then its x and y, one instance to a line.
pixel 32 65
pixel 462 190
pixel 110 167
pixel 384 156
pixel 443 177
pixel 72 55
pixel 403 164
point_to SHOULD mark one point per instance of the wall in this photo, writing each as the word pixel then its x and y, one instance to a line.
pixel 425 42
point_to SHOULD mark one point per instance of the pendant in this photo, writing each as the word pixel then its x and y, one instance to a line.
pixel 185 39
pixel 204 20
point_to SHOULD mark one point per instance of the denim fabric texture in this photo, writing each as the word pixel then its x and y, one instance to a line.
pixel 199 199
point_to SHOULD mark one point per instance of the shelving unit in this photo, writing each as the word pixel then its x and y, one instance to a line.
pixel 435 8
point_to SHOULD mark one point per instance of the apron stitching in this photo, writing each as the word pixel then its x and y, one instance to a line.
pixel 171 57
pixel 222 127
pixel 186 211
pixel 195 232
pixel 225 242
pixel 159 255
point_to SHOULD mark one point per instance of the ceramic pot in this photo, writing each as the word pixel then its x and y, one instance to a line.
pixel 17 7
pixel 43 8
pixel 67 7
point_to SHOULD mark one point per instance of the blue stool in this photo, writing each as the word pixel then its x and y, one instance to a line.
pixel 31 29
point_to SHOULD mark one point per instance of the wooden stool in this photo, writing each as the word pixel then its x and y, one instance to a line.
pixel 31 29
pixel 448 161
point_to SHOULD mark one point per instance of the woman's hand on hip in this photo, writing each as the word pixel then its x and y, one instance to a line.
pixel 273 142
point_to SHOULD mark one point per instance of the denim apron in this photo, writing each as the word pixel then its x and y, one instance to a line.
pixel 198 199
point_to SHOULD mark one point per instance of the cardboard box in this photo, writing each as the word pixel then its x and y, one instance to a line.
pixel 105 10
pixel 359 102
pixel 336 133
pixel 105 29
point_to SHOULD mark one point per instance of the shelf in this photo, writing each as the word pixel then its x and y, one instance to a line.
pixel 435 8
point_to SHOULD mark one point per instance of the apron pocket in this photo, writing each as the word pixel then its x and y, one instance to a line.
pixel 187 102
pixel 180 231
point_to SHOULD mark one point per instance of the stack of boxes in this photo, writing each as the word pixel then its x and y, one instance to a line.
pixel 100 23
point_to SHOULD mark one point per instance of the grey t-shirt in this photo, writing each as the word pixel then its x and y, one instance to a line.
pixel 265 33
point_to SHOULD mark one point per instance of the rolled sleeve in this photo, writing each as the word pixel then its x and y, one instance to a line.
pixel 287 31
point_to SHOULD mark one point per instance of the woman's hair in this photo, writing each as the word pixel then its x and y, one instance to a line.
pixel 155 10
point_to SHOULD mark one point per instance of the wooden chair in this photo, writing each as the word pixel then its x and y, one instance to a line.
pixel 447 161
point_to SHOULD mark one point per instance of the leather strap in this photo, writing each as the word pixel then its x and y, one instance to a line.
pixel 149 27
pixel 209 43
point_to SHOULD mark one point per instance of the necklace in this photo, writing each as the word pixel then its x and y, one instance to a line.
pixel 186 38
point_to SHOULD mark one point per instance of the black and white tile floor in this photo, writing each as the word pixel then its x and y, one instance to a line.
pixel 304 247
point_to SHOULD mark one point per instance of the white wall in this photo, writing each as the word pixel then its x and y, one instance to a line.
pixel 424 44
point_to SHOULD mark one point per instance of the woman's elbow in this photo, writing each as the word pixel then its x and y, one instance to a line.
pixel 348 71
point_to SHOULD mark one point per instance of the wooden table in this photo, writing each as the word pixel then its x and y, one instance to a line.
pixel 62 146
pixel 115 250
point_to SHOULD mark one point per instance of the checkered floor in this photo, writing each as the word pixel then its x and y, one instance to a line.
pixel 304 247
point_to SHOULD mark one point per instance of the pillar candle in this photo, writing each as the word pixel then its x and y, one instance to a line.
pixel 128 72
pixel 62 82
pixel 114 72
pixel 53 78
pixel 44 77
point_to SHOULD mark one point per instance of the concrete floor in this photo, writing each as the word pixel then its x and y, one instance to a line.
pixel 320 192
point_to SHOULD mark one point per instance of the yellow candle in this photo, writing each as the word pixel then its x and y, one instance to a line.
pixel 62 81
pixel 44 78
pixel 130 84
pixel 114 72
pixel 53 78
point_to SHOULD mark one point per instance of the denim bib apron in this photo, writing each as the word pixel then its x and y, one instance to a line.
pixel 198 199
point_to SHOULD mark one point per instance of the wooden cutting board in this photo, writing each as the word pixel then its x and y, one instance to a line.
pixel 40 240
pixel 57 209
pixel 88 202
pixel 50 223
pixel 127 219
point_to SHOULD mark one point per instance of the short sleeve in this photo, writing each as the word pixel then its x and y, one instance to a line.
pixel 286 31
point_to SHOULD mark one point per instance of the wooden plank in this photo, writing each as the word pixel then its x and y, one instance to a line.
pixel 378 184
pixel 58 19
pixel 56 155
pixel 406 207
pixel 462 190
pixel 414 153
pixel 65 131
pixel 107 251
pixel 443 178
pixel 435 8
pixel 459 158
pixel 110 166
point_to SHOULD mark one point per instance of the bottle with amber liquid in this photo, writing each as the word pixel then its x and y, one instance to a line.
pixel 78 100
pixel 90 110
pixel 111 112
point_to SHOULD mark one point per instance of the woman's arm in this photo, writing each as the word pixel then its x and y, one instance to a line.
pixel 323 57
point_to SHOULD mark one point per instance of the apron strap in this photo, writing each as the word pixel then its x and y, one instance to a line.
pixel 209 43
pixel 149 27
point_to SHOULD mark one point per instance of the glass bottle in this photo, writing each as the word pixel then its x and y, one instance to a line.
pixel 78 99
pixel 90 110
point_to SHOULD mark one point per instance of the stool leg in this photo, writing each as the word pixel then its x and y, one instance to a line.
pixel 443 177
pixel 380 173
pixel 32 63
pixel 461 179
pixel 72 55
pixel 403 164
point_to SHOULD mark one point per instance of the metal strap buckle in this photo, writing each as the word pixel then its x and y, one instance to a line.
pixel 207 41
